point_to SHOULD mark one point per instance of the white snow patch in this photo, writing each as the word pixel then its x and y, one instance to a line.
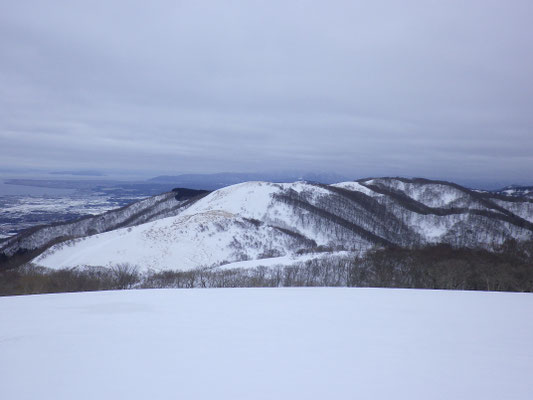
pixel 249 200
pixel 357 187
pixel 431 227
pixel 284 261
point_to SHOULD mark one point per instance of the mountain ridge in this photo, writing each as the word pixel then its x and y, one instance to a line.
pixel 257 220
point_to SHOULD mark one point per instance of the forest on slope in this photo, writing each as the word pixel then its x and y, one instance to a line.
pixel 506 268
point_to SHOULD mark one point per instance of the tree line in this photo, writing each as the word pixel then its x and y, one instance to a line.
pixel 508 267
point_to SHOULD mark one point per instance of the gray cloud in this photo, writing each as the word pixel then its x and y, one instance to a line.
pixel 440 89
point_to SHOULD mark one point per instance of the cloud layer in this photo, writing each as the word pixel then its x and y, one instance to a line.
pixel 438 89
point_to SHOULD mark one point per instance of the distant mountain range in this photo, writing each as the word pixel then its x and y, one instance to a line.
pixel 517 191
pixel 162 183
pixel 78 173
pixel 263 222
pixel 220 180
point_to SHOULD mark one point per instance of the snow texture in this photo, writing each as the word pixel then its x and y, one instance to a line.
pixel 357 187
pixel 318 343
pixel 287 260
pixel 179 243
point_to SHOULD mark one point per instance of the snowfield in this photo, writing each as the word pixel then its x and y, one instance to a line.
pixel 180 243
pixel 319 343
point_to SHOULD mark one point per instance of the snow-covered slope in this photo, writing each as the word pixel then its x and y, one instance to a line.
pixel 256 220
pixel 37 239
pixel 319 343
pixel 185 242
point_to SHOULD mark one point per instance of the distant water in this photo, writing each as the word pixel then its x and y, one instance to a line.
pixel 20 190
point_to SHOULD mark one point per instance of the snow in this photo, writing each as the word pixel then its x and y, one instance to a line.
pixel 319 343
pixel 522 209
pixel 32 204
pixel 357 187
pixel 99 223
pixel 434 195
pixel 432 227
pixel 286 260
pixel 249 199
pixel 178 243
pixel 449 196
pixel 22 212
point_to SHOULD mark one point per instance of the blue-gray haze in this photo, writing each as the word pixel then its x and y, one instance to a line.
pixel 428 88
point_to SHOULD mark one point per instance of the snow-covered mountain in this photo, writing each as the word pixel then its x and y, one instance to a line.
pixel 258 220
pixel 516 191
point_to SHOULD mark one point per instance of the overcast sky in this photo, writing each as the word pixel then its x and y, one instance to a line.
pixel 428 88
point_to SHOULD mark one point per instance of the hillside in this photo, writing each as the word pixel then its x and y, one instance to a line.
pixel 23 247
pixel 267 344
pixel 259 220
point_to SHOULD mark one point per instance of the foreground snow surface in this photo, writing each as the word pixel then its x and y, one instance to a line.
pixel 319 343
